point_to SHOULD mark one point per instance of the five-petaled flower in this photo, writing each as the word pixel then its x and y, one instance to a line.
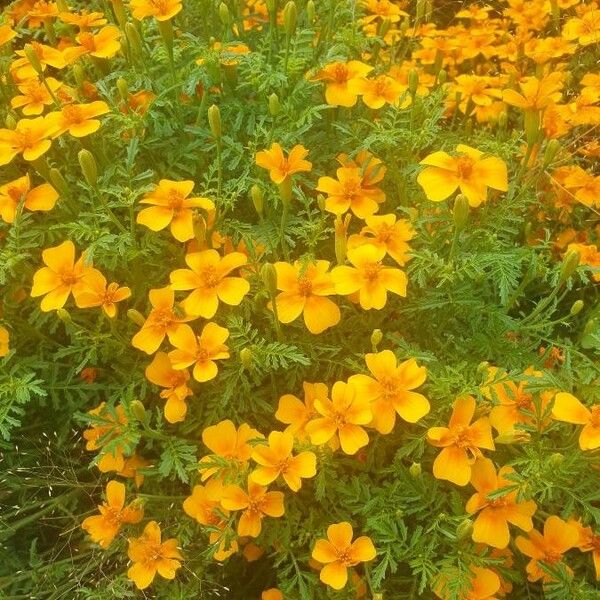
pixel 571 410
pixel 42 197
pixel 281 167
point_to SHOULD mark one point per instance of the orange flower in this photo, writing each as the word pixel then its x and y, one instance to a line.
pixel 108 424
pixel 304 287
pixel 295 413
pixel 150 556
pixel 228 443
pixel 35 96
pixel 4 341
pixel 280 167
pixel 369 277
pixel 96 291
pixel 338 78
pixel 377 92
pixel 491 525
pixel 163 320
pixel 338 553
pixel 584 186
pixel 201 351
pixel 205 502
pixel 161 373
pixel 272 594
pixel 390 391
pixel 161 10
pixel 29 138
pixel 342 415
pixel 208 277
pixel 83 20
pixel 460 442
pixel 6 34
pixel 255 504
pixel 569 409
pixel 484 585
pixel 276 459
pixel 104 44
pixel 78 119
pixel 558 538
pixel 171 206
pixel 584 29
pixel 471 171
pixel 104 527
pixel 61 276
pixel 589 542
pixel 536 94
pixel 42 197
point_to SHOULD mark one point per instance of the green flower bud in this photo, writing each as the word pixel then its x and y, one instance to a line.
pixel 58 182
pixel 271 6
pixel 64 315
pixel 576 308
pixel 136 316
pixel 246 357
pixel 420 10
pixel 285 191
pixel 415 470
pixel 258 198
pixel 321 202
pixel 88 167
pixel 10 121
pixel 123 88
pixel 556 459
pixel 290 16
pixel 532 126
pixel 274 104
pixel 442 76
pixel 134 40
pixel 413 82
pixel 376 337
pixel 503 120
pixel 569 264
pixel 33 58
pixel 268 275
pixel 384 27
pixel 552 148
pixel 119 11
pixel 224 14
pixel 311 12
pixel 464 529
pixel 460 212
pixel 79 75
pixel 214 120
pixel 138 410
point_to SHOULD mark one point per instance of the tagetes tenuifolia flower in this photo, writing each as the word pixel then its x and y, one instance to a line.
pixel 35 96
pixel 209 276
pixel 338 77
pixel 30 138
pixel 338 553
pixel 571 410
pixel 161 10
pixel 344 415
pixel 204 502
pixel 78 119
pixel 304 288
pixel 369 277
pixel 471 171
pixel 535 94
pixel 104 527
pixel 491 524
pixel 40 198
pixel 276 459
pixel 96 291
pixel 589 542
pixel 61 276
pixel 201 351
pixel 108 424
pixel 558 537
pixel 484 584
pixel 281 167
pixel 150 556
pixel 172 207
pixel 461 442
pixel 390 390
pixel 256 503
pixel 296 413
pixel 4 341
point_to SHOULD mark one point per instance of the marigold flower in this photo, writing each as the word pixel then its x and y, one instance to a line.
pixel 30 138
pixel 271 594
pixel 228 443
pixel 40 198
pixel 304 290
pixel 150 556
pixel 4 341
pixel 7 33
pixel 35 96
pixel 589 542
pixel 295 413
pixel 471 171
pixel 460 442
pixel 536 94
pixel 112 422
pixel 584 186
pixel 255 503
pixel 342 415
pixel 276 459
pixel 390 390
pixel 163 320
pixel 491 525
pixel 104 44
pixel 377 92
pixel 484 585
pixel 171 206
pixel 78 119
pixel 209 278
pixel 338 553
pixel 83 20
pixel 161 10
pixel 201 351
pixel 161 372
pixel 96 291
pixel 104 527
pixel 61 276
pixel 204 503
pixel 584 29
pixel 369 277
pixel 280 167
pixel 569 409
pixel 338 77
pixel 558 537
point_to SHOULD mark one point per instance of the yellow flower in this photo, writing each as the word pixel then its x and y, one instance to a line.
pixel 4 341
pixel 584 29
pixel 40 198
pixel 104 44
pixel 161 10
pixel 338 78
pixel 35 96
pixel 295 413
pixel 369 277
pixel 471 171
pixel 338 553
pixel 280 167
pixel 569 409
pixel 78 119
pixel 30 138
pixel 209 278
pixel 96 291
pixel 205 502
pixel 377 92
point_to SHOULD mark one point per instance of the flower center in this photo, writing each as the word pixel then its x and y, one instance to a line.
pixel 162 317
pixel 73 114
pixel 339 419
pixel 340 73
pixel 202 354
pixel 464 166
pixel 305 286
pixel 25 139
pixel 345 558
pixel 462 437
pixel 86 39
pixel 68 278
pixel 389 387
pixel 210 277
pixel 371 271
pixel 175 200
pixel 15 193
pixel 162 6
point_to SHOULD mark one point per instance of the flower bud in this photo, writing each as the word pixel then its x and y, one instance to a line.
pixel 214 120
pixel 123 89
pixel 64 315
pixel 556 459
pixel 268 275
pixel 224 14
pixel 119 11
pixel 442 76
pixel 136 316
pixel 274 105
pixel 376 337
pixel 552 148
pixel 290 16
pixel 516 436
pixel 569 264
pixel 590 326
pixel 503 120
pixel 33 58
pixel 258 198
pixel 482 367
pixel 415 470
pixel 62 6
pixel 464 529
pixel 413 82
pixel 576 308
pixel 532 126
pixel 285 191
pixel 10 121
pixel 377 596
pixel 341 237
pixel 420 10
pixel 384 27
pixel 58 182
pixel 246 357
pixel 79 75
pixel 311 12
pixel 135 41
pixel 138 410
pixel 321 202
pixel 460 212
pixel 88 167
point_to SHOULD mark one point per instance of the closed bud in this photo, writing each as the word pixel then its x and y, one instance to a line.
pixel 532 126
pixel 576 308
pixel 420 10
pixel 415 470
pixel 556 459
pixel 119 10
pixel 482 367
pixel 413 82
pixel 341 237
pixel 123 88
pixel 321 202
pixel 285 191
pixel 464 529
pixel 377 596
pixel 552 148
pixel 290 16
pixel 224 14
pixel 569 264
pixel 33 58
pixel 58 182
pixel 258 199
pixel 246 357
pixel 10 121
pixel 268 275
pixel 460 212
pixel 214 120
pixel 503 120
pixel 376 338
pixel 515 436
pixel 405 25
pixel 134 39
pixel 384 27
pixel 442 76
pixel 311 11
pixel 136 316
pixel 274 104
pixel 590 327
pixel 64 315
pixel 79 75
pixel 138 410
pixel 88 166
